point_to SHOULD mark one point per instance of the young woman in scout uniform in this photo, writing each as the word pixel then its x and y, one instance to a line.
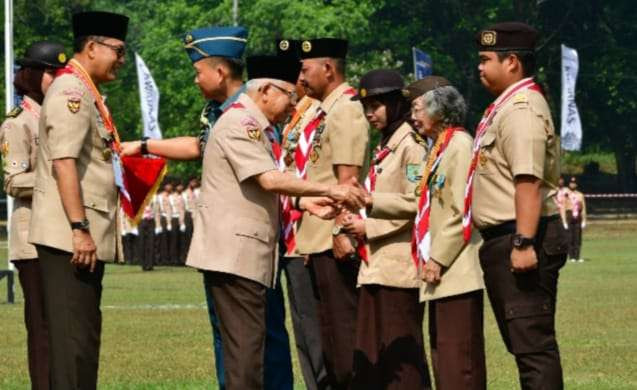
pixel 451 270
pixel 19 139
pixel 389 350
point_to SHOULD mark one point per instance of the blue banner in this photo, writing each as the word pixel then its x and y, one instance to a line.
pixel 423 65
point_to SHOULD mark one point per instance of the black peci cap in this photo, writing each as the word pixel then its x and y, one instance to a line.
pixel 323 47
pixel 507 36
pixel 44 54
pixel 273 67
pixel 105 24
pixel 424 85
pixel 379 82
pixel 288 47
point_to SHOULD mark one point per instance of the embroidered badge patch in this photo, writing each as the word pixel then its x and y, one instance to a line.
pixel 5 149
pixel 413 172
pixel 73 104
pixel 520 98
pixel 252 127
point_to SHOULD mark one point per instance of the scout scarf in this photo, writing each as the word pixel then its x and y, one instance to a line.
pixel 421 238
pixel 305 147
pixel 576 204
pixel 28 106
pixel 137 178
pixel 489 113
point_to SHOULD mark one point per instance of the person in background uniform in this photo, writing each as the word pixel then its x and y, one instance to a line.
pixel 300 277
pixel 180 204
pixel 177 221
pixel 129 234
pixel 451 268
pixel 19 140
pixel 574 217
pixel 334 150
pixel 190 202
pixel 241 183
pixel 216 54
pixel 75 182
pixel 163 224
pixel 389 350
pixel 147 238
pixel 512 180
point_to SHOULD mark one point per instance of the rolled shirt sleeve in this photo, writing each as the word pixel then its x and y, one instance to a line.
pixel 524 137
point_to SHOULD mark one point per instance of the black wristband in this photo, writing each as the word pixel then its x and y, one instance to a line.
pixel 144 146
pixel 297 203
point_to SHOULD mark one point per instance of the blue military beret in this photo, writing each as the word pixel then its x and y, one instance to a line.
pixel 205 42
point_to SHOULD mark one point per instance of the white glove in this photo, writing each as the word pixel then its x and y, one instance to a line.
pixel 583 224
pixel 182 228
pixel 169 228
pixel 565 226
pixel 134 231
pixel 158 230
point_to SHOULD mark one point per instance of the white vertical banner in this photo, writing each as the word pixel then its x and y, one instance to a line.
pixel 9 93
pixel 571 129
pixel 149 97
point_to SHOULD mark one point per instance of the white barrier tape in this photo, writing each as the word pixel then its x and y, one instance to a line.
pixel 610 195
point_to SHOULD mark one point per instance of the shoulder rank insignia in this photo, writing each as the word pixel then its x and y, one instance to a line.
pixel 520 98
pixel 15 112
pixel 419 140
pixel 413 173
pixel 73 104
pixel 5 149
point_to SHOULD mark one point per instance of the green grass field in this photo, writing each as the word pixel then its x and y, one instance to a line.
pixel 156 333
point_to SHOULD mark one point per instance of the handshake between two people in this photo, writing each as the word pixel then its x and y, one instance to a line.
pixel 342 198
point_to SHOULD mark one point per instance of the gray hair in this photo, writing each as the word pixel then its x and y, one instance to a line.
pixel 254 84
pixel 446 106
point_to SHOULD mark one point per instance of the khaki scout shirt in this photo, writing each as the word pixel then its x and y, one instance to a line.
pixel 389 241
pixel 71 127
pixel 461 272
pixel 19 140
pixel 236 224
pixel 520 140
pixel 345 141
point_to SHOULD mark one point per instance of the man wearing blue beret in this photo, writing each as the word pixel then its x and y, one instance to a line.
pixel 216 55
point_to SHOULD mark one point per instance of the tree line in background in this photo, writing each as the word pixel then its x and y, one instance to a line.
pixel 381 34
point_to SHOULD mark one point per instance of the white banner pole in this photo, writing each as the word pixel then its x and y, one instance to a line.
pixel 571 126
pixel 8 91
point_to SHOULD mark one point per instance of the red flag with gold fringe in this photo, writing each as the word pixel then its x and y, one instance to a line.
pixel 142 177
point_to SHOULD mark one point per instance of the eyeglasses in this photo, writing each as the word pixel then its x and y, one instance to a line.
pixel 291 94
pixel 120 50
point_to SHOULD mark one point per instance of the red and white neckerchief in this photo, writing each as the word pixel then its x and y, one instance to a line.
pixel 489 113
pixel 304 146
pixel 576 204
pixel 288 214
pixel 370 186
pixel 421 238
pixel 28 106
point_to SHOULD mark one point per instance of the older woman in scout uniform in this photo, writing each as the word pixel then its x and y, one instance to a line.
pixel 511 184
pixel 389 350
pixel 18 137
pixel 453 278
pixel 75 182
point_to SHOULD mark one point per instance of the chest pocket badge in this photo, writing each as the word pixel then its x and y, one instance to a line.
pixel 412 173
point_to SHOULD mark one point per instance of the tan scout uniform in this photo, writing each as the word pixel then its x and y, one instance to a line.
pixel 462 269
pixel 345 141
pixel 521 140
pixel 19 140
pixel 74 131
pixel 244 245
pixel 390 263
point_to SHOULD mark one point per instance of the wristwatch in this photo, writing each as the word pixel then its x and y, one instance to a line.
pixel 83 225
pixel 144 146
pixel 521 242
pixel 337 229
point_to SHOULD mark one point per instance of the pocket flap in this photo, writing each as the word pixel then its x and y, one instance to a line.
pixel 95 202
pixel 252 228
pixel 488 139
pixel 537 307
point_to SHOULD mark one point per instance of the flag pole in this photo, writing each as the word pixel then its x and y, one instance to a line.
pixel 8 91
pixel 235 12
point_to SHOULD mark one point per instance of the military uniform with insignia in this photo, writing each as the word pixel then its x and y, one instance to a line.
pixel 19 142
pixel 73 128
pixel 516 138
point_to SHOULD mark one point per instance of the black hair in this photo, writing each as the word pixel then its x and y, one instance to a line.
pixel 234 65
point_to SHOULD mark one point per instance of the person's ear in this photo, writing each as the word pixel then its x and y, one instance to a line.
pixel 90 48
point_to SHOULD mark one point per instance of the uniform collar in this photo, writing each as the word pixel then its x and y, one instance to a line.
pixel 254 110
pixel 232 98
pixel 402 132
pixel 510 87
pixel 32 104
pixel 329 101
